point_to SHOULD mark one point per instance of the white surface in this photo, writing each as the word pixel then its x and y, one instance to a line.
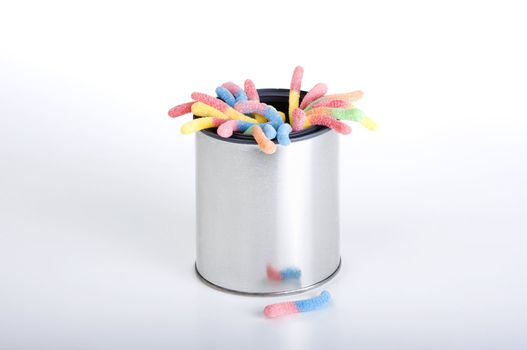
pixel 96 183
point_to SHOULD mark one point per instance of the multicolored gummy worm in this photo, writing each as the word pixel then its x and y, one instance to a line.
pixel 238 110
pixel 293 307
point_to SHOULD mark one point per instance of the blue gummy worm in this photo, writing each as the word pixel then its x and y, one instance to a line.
pixel 225 95
pixel 272 115
pixel 282 134
pixel 268 130
pixel 290 274
pixel 313 303
pixel 240 95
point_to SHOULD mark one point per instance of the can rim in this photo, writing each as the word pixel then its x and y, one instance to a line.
pixel 269 294
pixel 271 96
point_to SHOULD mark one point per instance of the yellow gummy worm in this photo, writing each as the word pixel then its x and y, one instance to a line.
pixel 369 124
pixel 307 121
pixel 294 101
pixel 202 110
pixel 197 125
pixel 260 118
pixel 234 114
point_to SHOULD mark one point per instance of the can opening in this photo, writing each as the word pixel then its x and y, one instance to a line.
pixel 278 98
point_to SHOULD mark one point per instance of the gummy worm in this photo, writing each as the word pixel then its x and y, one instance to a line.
pixel 266 145
pixel 328 121
pixel 230 126
pixel 348 97
pixel 294 91
pixel 225 95
pixel 267 111
pixel 237 91
pixel 299 118
pixel 293 307
pixel 200 124
pixel 221 106
pixel 267 128
pixel 353 114
pixel 180 109
pixel 316 92
pixel 331 104
pixel 250 91
pixel 282 134
pixel 200 109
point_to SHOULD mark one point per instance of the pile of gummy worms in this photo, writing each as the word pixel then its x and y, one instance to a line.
pixel 239 110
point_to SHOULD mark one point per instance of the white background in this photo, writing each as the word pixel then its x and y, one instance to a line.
pixel 96 182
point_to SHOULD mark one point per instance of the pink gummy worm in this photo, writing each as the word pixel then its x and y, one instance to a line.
pixel 180 109
pixel 250 91
pixel 316 92
pixel 348 96
pixel 330 122
pixel 233 88
pixel 226 129
pixel 321 111
pixel 250 107
pixel 299 118
pixel 279 309
pixel 211 101
pixel 331 104
pixel 296 80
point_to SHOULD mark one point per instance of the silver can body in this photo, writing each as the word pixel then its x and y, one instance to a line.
pixel 267 224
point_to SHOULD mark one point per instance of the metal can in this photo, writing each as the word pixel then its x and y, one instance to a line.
pixel 267 224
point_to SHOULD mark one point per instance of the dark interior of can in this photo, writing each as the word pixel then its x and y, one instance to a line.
pixel 279 99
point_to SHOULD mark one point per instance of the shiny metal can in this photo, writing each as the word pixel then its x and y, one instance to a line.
pixel 267 224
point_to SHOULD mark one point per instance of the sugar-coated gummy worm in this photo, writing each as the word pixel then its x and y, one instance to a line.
pixel 282 134
pixel 267 111
pixel 299 118
pixel 181 109
pixel 330 122
pixel 200 109
pixel 237 91
pixel 338 113
pixel 221 106
pixel 294 91
pixel 353 114
pixel 331 104
pixel 211 101
pixel 293 307
pixel 200 124
pixel 269 131
pixel 250 91
pixel 230 126
pixel 316 92
pixel 225 95
pixel 369 123
pixel 349 97
pixel 266 145
pixel 290 273
pixel 261 119
pixel 267 128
